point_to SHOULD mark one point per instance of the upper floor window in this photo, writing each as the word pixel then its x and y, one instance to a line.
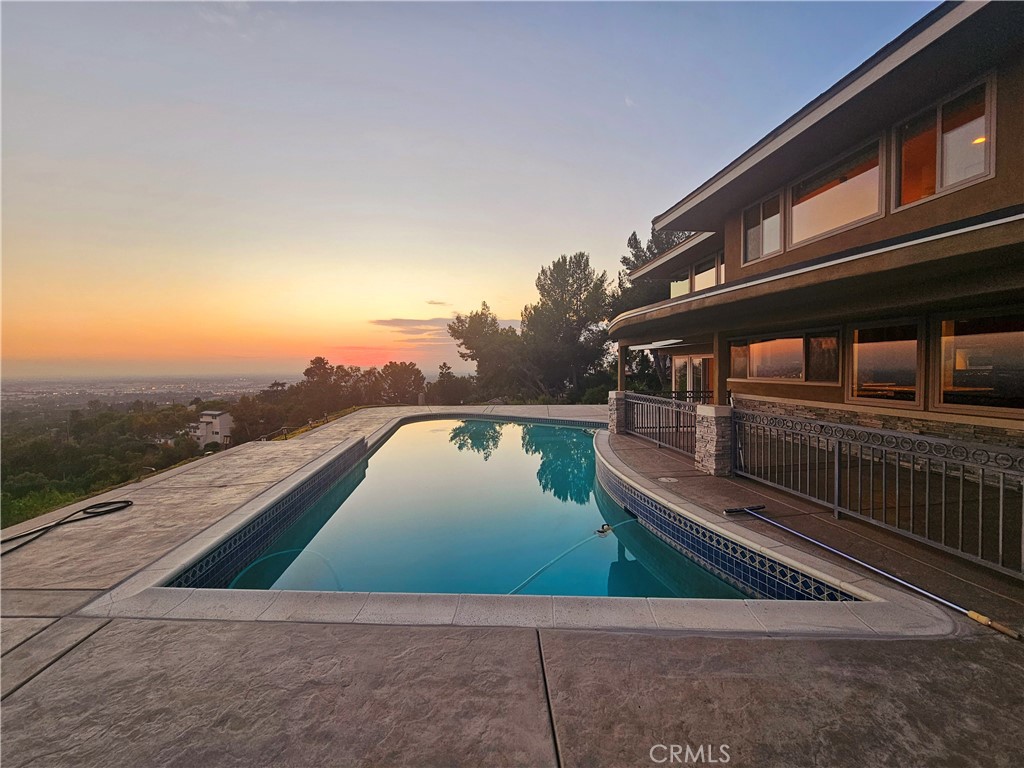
pixel 762 230
pixel 843 193
pixel 704 274
pixel 943 146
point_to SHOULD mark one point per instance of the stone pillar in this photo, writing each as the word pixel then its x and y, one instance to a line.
pixel 617 412
pixel 713 449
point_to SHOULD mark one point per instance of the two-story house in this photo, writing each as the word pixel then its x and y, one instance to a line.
pixel 854 290
pixel 212 427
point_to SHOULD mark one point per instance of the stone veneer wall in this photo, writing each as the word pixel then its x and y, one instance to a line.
pixel 713 440
pixel 897 422
pixel 617 412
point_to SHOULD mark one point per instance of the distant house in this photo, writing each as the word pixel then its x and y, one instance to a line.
pixel 849 310
pixel 212 427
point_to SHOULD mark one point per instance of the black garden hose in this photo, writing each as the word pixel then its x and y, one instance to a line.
pixel 87 513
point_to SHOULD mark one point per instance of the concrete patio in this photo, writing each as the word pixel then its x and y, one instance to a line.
pixel 82 691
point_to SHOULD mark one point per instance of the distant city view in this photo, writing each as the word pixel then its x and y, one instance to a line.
pixel 76 392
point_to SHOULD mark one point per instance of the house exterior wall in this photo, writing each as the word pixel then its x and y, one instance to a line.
pixel 922 282
pixel 969 429
pixel 1004 189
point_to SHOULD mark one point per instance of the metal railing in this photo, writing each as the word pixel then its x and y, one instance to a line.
pixel 669 423
pixel 699 396
pixel 964 498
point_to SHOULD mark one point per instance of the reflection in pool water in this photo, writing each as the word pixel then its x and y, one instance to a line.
pixel 480 507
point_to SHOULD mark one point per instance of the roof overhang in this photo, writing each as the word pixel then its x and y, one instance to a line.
pixel 919 66
pixel 659 344
pixel 672 261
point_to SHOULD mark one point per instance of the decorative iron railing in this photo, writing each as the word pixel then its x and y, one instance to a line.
pixel 669 423
pixel 960 497
pixel 699 396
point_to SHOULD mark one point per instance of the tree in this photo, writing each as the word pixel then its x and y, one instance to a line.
pixel 563 333
pixel 449 389
pixel 318 392
pixel 496 351
pixel 566 462
pixel 401 383
pixel 481 437
pixel 368 386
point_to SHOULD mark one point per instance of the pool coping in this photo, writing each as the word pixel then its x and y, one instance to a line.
pixel 882 611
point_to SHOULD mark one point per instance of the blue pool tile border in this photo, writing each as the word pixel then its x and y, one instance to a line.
pixel 218 567
pixel 749 570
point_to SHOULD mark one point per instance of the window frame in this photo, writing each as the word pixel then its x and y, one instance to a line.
pixel 879 141
pixel 779 195
pixel 718 270
pixel 922 386
pixel 989 81
pixel 935 368
pixel 802 334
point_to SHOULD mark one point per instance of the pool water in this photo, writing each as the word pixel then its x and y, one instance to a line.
pixel 481 507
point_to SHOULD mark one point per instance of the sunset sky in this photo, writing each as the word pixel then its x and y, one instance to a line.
pixel 215 188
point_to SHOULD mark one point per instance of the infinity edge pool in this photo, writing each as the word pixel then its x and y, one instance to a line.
pixel 880 609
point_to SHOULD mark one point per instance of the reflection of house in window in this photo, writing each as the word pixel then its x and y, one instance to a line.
pixel 885 362
pixel 983 362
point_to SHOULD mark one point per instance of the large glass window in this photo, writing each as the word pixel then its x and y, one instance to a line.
pixel 738 355
pixel 705 275
pixel 983 362
pixel 762 230
pixel 918 148
pixel 884 363
pixel 963 137
pixel 680 368
pixel 944 146
pixel 823 357
pixel 841 194
pixel 781 358
pixel 694 373
pixel 679 287
pixel 804 357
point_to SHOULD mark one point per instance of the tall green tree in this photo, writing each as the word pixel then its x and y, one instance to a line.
pixel 450 389
pixel 629 295
pixel 497 351
pixel 563 333
pixel 401 383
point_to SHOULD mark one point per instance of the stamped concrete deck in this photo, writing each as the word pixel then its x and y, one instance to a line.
pixel 960 581
pixel 95 691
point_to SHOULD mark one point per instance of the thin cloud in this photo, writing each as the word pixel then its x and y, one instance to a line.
pixel 438 303
pixel 431 328
pixel 222 14
pixel 630 103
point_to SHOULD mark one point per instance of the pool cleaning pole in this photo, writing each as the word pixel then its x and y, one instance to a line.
pixel 974 615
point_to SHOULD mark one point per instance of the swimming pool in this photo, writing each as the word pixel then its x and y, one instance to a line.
pixel 476 506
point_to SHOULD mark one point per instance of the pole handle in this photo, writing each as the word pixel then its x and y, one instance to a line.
pixel 986 621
